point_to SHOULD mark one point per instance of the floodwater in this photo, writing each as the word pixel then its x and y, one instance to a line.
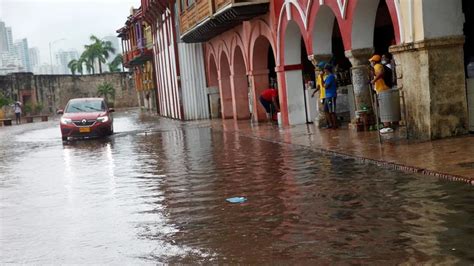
pixel 156 192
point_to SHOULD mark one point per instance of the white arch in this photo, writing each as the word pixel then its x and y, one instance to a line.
pixel 286 6
pixel 363 24
pixel 322 31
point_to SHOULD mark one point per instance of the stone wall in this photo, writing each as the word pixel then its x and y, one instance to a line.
pixel 54 91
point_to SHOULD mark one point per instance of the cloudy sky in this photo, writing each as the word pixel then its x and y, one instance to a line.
pixel 45 21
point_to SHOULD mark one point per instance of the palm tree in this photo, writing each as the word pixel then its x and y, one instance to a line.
pixel 106 89
pixel 88 60
pixel 114 65
pixel 75 65
pixel 99 50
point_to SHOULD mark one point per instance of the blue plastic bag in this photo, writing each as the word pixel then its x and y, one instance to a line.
pixel 237 199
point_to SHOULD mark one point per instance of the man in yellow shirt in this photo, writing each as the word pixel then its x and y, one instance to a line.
pixel 320 87
pixel 320 81
pixel 379 84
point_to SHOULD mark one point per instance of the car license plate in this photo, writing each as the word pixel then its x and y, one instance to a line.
pixel 84 129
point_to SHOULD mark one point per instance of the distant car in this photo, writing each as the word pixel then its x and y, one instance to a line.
pixel 86 117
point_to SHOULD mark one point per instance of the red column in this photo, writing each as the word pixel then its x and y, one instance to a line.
pixel 259 82
pixel 240 99
pixel 226 97
pixel 282 95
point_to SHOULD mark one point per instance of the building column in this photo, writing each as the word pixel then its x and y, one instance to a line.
pixel 240 102
pixel 226 97
pixel 282 95
pixel 431 75
pixel 259 82
pixel 361 76
pixel 315 59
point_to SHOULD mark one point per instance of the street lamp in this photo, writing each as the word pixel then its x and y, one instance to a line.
pixel 50 54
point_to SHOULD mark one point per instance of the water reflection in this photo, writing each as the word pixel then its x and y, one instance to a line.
pixel 160 197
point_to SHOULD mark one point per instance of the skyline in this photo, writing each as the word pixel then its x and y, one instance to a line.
pixel 100 18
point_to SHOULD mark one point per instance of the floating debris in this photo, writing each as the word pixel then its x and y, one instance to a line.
pixel 237 200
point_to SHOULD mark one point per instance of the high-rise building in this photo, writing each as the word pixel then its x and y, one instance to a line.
pixel 63 58
pixel 34 58
pixel 9 38
pixel 22 52
pixel 3 38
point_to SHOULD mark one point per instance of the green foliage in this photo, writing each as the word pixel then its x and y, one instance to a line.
pixel 75 65
pixel 114 66
pixel 98 50
pixel 88 60
pixel 37 109
pixel 4 101
pixel 105 90
pixel 28 108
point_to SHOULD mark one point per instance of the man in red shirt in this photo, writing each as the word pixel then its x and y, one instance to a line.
pixel 268 98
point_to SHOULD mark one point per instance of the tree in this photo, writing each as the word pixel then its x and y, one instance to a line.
pixel 114 66
pixel 106 89
pixel 75 65
pixel 99 50
pixel 4 100
pixel 88 60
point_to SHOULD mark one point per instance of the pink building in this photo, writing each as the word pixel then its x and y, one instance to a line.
pixel 214 57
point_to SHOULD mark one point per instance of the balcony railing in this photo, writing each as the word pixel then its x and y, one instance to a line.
pixel 206 19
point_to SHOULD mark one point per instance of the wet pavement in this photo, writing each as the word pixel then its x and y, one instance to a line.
pixel 156 192
pixel 450 158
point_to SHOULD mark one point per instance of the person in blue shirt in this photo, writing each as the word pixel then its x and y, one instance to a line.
pixel 331 95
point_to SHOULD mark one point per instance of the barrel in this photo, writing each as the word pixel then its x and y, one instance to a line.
pixel 389 105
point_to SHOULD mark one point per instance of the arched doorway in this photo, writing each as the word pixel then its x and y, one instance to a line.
pixel 384 34
pixel 293 67
pixel 213 89
pixel 240 86
pixel 328 46
pixel 263 74
pixel 225 87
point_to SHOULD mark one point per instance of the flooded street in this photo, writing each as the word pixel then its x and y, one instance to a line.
pixel 156 191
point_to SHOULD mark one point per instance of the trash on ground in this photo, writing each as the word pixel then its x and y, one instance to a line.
pixel 237 199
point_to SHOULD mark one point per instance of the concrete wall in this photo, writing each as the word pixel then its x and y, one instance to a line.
pixel 53 91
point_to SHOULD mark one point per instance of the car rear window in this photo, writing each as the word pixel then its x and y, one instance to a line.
pixel 85 106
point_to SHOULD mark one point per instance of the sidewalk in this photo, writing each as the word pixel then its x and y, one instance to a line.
pixel 451 158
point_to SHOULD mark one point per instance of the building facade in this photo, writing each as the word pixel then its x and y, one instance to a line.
pixel 178 67
pixel 4 47
pixel 137 50
pixel 247 43
pixel 213 58
pixel 63 58
pixel 22 52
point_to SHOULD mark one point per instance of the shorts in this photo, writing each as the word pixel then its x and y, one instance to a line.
pixel 268 105
pixel 330 105
pixel 17 115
